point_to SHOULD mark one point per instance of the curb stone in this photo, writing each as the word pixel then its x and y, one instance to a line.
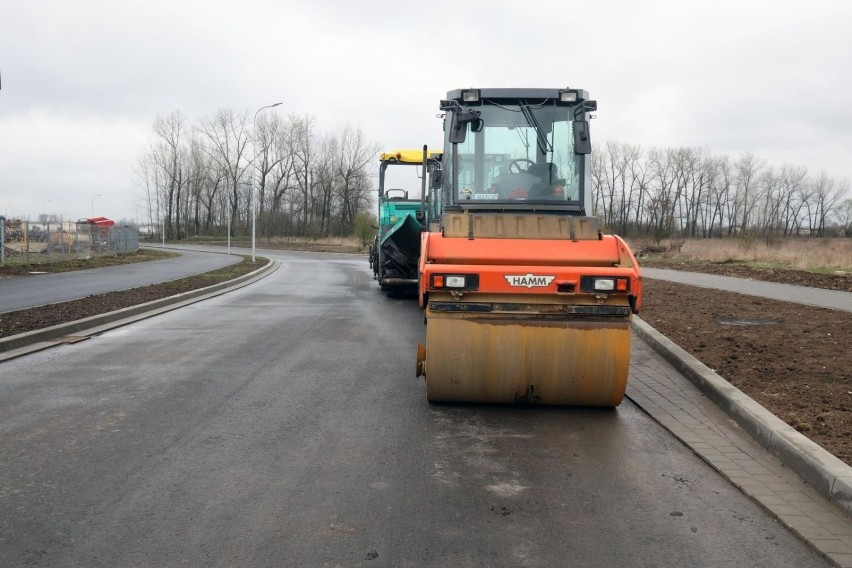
pixel 827 474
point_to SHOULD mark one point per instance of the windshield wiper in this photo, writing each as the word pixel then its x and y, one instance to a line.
pixel 543 142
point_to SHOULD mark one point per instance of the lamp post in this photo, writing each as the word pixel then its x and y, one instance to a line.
pixel 3 238
pixel 254 176
pixel 93 203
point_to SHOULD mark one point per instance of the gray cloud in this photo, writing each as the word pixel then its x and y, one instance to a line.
pixel 82 81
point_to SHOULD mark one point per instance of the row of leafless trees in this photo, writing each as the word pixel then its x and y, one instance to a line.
pixel 690 192
pixel 197 180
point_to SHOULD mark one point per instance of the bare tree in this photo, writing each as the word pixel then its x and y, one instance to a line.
pixel 199 166
pixel 283 180
pixel 304 144
pixel 614 183
pixel 695 163
pixel 228 140
pixel 826 196
pixel 354 157
pixel 600 165
pixel 324 181
pixel 168 157
pixel 268 155
pixel 661 204
pixel 747 168
pixel 793 178
pixel 641 179
pixel 194 181
pixel 844 216
pixel 769 214
pixel 146 174
pixel 709 208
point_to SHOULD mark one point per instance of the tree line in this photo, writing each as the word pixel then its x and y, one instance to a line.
pixel 197 179
pixel 690 192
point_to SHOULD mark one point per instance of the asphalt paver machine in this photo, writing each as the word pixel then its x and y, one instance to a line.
pixel 395 251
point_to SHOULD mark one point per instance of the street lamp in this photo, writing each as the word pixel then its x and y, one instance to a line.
pixel 3 238
pixel 254 176
pixel 93 203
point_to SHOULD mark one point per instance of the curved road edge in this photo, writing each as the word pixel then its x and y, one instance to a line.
pixel 30 342
pixel 826 473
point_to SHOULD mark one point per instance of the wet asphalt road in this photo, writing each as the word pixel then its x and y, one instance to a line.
pixel 281 425
pixel 41 289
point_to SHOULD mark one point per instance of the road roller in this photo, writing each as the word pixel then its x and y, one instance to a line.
pixel 526 299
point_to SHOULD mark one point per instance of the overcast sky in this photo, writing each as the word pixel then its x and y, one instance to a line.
pixel 82 80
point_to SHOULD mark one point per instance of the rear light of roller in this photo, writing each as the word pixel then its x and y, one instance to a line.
pixel 604 284
pixel 454 282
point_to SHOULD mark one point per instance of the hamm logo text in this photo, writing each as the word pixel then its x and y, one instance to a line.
pixel 528 280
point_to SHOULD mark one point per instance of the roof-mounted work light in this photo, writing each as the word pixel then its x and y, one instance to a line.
pixel 471 95
pixel 568 96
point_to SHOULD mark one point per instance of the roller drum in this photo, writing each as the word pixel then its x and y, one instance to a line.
pixel 533 361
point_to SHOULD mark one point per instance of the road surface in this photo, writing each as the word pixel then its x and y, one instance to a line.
pixel 281 425
pixel 41 289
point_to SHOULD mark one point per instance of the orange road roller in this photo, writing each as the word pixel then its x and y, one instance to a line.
pixel 526 300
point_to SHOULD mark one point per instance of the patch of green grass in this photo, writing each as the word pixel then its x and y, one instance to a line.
pixel 206 240
pixel 777 265
pixel 767 265
pixel 828 270
pixel 666 259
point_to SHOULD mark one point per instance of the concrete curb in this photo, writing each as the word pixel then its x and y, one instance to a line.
pixel 25 343
pixel 827 474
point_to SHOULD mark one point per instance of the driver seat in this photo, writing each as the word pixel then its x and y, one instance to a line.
pixel 545 171
pixel 546 177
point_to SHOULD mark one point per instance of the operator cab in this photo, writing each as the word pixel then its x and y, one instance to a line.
pixel 516 150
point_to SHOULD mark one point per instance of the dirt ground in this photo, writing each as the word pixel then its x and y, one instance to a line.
pixel 793 359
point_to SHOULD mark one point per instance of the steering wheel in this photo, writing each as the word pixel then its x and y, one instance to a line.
pixel 517 164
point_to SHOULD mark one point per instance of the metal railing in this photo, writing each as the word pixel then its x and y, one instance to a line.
pixel 27 242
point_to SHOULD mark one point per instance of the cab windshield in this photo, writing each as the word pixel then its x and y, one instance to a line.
pixel 519 153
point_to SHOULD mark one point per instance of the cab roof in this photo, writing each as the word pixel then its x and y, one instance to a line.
pixel 512 94
pixel 409 156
